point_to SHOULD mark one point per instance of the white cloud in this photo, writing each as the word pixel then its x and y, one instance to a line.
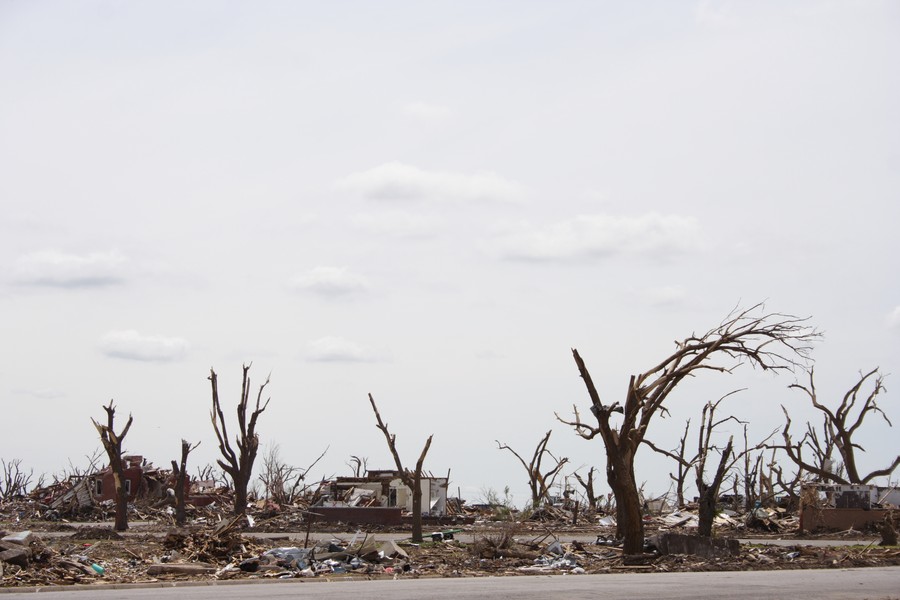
pixel 893 319
pixel 335 349
pixel 396 224
pixel 398 181
pixel 58 269
pixel 666 295
pixel 427 112
pixel 40 393
pixel 330 281
pixel 131 345
pixel 599 236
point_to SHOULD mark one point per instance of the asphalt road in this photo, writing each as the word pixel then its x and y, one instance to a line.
pixel 874 584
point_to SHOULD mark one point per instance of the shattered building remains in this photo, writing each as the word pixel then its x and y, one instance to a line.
pixel 843 506
pixel 379 497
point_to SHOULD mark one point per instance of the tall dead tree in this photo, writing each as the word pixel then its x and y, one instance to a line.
pixel 239 464
pixel 838 429
pixel 753 462
pixel 181 482
pixel 708 491
pixel 411 479
pixel 766 340
pixel 539 483
pixel 112 443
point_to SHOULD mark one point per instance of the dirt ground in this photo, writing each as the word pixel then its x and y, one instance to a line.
pixel 95 555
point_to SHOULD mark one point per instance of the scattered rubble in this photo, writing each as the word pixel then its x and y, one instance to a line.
pixel 41 544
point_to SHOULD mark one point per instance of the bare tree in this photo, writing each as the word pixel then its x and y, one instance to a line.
pixel 838 429
pixel 238 465
pixel 790 487
pixel 766 340
pixel 182 481
pixel 284 483
pixel 588 488
pixel 112 443
pixel 684 464
pixel 358 465
pixel 213 473
pixel 411 479
pixel 74 472
pixel 14 481
pixel 752 465
pixel 539 483
pixel 709 491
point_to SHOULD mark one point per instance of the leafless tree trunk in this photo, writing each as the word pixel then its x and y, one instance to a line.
pixel 790 487
pixel 838 430
pixel 181 482
pixel 752 466
pixel 539 483
pixel 112 443
pixel 709 492
pixel 412 480
pixel 588 488
pixel 767 340
pixel 238 465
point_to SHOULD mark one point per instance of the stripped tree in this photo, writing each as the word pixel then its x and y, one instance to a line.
pixel 358 466
pixel 181 482
pixel 411 479
pixel 684 464
pixel 14 480
pixel 708 490
pixel 239 464
pixel 112 443
pixel 838 429
pixel 282 483
pixel 766 340
pixel 588 488
pixel 539 483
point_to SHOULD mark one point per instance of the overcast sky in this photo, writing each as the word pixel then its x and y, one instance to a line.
pixel 433 202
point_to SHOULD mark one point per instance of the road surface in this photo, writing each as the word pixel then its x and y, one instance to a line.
pixel 872 584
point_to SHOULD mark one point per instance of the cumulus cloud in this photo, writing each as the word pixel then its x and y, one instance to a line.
pixel 398 181
pixel 335 349
pixel 396 224
pixel 893 319
pixel 600 236
pixel 57 269
pixel 131 345
pixel 330 281
pixel 426 111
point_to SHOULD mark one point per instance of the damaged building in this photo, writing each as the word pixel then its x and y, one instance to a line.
pixel 142 480
pixel 379 497
pixel 845 506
